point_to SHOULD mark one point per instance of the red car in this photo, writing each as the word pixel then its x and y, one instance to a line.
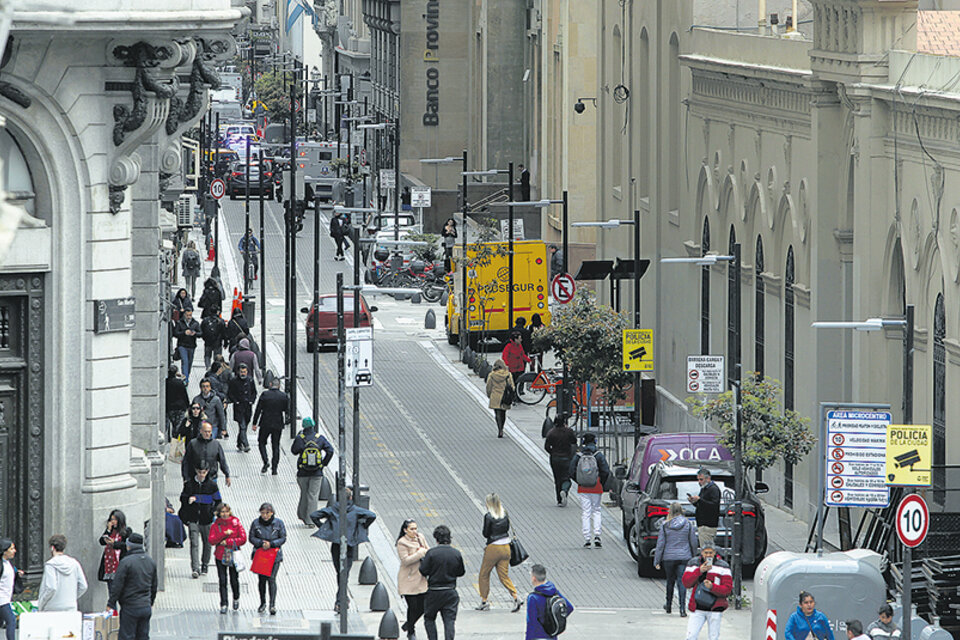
pixel 321 323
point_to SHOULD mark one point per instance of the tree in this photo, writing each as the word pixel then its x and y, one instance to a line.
pixel 769 433
pixel 429 253
pixel 588 336
pixel 275 95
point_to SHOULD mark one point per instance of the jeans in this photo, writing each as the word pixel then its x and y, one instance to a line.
pixel 186 362
pixel 674 571
pixel 561 475
pixel 496 555
pixel 199 539
pixel 698 619
pixel 444 602
pixel 222 572
pixel 335 556
pixel 590 511
pixel 10 619
pixel 135 623
pixel 269 581
pixel 274 436
pixel 414 611
pixel 309 494
pixel 209 351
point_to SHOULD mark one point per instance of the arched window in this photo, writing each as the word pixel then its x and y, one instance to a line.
pixel 759 311
pixel 939 402
pixel 16 177
pixel 733 312
pixel 705 292
pixel 788 354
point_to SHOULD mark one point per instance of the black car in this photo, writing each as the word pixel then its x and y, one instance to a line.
pixel 237 179
pixel 672 482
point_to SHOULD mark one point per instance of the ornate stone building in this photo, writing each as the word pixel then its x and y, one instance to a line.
pixel 95 103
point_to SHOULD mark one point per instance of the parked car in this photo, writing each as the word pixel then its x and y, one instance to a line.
pixel 321 322
pixel 672 482
pixel 237 179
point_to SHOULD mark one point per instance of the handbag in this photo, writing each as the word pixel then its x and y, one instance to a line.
pixel 509 395
pixel 517 553
pixel 704 600
pixel 263 561
pixel 178 448
pixel 239 562
pixel 227 558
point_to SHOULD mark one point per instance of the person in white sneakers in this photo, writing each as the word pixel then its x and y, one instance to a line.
pixel 589 469
pixel 63 580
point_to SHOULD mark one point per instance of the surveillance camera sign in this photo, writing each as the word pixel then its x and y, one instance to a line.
pixel 909 455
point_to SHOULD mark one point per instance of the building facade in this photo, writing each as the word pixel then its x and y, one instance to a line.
pixel 95 105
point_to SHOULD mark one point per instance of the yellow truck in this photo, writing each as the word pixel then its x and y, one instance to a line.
pixel 487 289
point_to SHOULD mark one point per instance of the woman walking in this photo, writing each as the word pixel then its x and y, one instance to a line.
pixel 190 261
pixel 806 621
pixel 676 544
pixel 181 304
pixel 268 532
pixel 227 534
pixel 496 529
pixel 498 382
pixel 11 582
pixel 114 542
pixel 449 235
pixel 190 427
pixel 411 584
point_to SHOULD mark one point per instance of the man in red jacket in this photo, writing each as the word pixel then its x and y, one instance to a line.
pixel 709 581
pixel 515 357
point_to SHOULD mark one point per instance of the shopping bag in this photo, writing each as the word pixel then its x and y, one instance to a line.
pixel 263 561
pixel 177 448
pixel 239 562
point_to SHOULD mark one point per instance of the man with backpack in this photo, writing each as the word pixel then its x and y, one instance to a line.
pixel 547 608
pixel 214 332
pixel 313 452
pixel 590 471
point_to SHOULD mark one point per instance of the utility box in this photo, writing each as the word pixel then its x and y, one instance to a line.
pixel 847 585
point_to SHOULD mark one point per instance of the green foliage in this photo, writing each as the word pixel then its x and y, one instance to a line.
pixel 588 335
pixel 350 169
pixel 275 95
pixel 429 253
pixel 769 433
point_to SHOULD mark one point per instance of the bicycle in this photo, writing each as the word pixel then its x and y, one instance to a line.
pixel 533 387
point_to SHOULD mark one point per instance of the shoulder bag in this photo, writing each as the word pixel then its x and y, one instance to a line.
pixel 517 553
pixel 704 600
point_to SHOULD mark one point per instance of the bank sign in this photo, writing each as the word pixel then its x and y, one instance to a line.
pixel 431 56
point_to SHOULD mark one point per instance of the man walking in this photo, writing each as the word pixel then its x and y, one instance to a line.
pixel 134 587
pixel 524 181
pixel 63 580
pixel 186 331
pixel 313 452
pixel 590 470
pixel 213 408
pixel 708 508
pixel 561 444
pixel 270 414
pixel 190 261
pixel 340 230
pixel 245 355
pixel 242 393
pixel 199 501
pixel 707 605
pixel 213 330
pixel 542 609
pixel 204 449
pixel 328 523
pixel 441 565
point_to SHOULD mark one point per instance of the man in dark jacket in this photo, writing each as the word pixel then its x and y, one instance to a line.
pixel 561 444
pixel 176 400
pixel 242 393
pixel 134 587
pixel 340 231
pixel 237 329
pixel 708 508
pixel 186 331
pixel 213 331
pixel 198 504
pixel 270 414
pixel 524 181
pixel 244 355
pixel 441 565
pixel 204 448
pixel 211 300
pixel 313 452
pixel 213 408
pixel 328 522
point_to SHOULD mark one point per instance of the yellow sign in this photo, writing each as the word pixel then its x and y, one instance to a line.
pixel 909 455
pixel 638 349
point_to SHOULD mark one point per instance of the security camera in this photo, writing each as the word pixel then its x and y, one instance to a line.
pixel 579 107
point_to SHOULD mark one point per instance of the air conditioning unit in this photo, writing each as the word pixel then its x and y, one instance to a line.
pixel 184 211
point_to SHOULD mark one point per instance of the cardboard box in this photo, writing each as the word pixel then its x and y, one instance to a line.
pixel 50 625
pixel 101 626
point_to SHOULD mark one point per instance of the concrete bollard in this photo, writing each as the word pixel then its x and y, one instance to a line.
pixel 326 491
pixel 430 320
pixel 415 298
pixel 379 600
pixel 389 626
pixel 368 572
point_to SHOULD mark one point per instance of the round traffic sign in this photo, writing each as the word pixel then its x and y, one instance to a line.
pixel 693 386
pixel 836 496
pixel 217 188
pixel 838 439
pixel 694 374
pixel 836 482
pixel 563 287
pixel 913 520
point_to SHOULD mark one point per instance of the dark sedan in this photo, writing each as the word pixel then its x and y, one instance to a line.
pixel 237 179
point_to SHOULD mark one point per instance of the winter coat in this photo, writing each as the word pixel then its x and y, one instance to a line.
pixel 878 630
pixel 328 523
pixel 180 305
pixel 708 506
pixel 213 408
pixel 442 565
pixel 180 332
pixel 244 355
pixel 721 577
pixel 515 357
pixel 120 545
pixel 202 511
pixel 190 260
pixel 233 540
pixel 199 449
pixel 63 582
pixel 799 626
pixel 537 605
pixel 676 540
pixel 602 467
pixel 271 409
pixel 237 328
pixel 213 331
pixel 497 383
pixel 272 531
pixel 176 397
pixel 410 581
pixel 561 442
pixel 217 383
pixel 299 444
pixel 135 584
pixel 189 428
pixel 211 300
pixel 242 391
pixel 495 528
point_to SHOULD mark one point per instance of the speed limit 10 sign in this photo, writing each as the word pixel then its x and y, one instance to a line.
pixel 913 520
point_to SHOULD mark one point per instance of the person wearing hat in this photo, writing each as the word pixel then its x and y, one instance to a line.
pixel 268 532
pixel 134 588
pixel 11 582
pixel 314 453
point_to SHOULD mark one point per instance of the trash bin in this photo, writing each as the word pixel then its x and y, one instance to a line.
pixel 250 310
pixel 847 585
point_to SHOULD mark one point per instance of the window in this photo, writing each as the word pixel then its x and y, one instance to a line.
pixel 788 355
pixel 705 292
pixel 733 312
pixel 16 177
pixel 939 402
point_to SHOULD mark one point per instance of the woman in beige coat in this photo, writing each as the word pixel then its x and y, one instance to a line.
pixel 497 383
pixel 412 585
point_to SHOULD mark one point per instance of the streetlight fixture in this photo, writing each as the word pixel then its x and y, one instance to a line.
pixel 447 160
pixel 602 224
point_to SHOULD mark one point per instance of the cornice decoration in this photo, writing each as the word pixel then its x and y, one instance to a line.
pixel 15 95
pixel 750 91
pixel 143 56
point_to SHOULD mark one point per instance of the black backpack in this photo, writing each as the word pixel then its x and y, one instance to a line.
pixel 554 618
pixel 191 261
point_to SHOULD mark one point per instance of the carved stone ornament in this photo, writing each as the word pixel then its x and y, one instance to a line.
pixel 914 231
pixel 953 236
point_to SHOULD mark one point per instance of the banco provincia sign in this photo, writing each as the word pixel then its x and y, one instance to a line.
pixel 431 55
